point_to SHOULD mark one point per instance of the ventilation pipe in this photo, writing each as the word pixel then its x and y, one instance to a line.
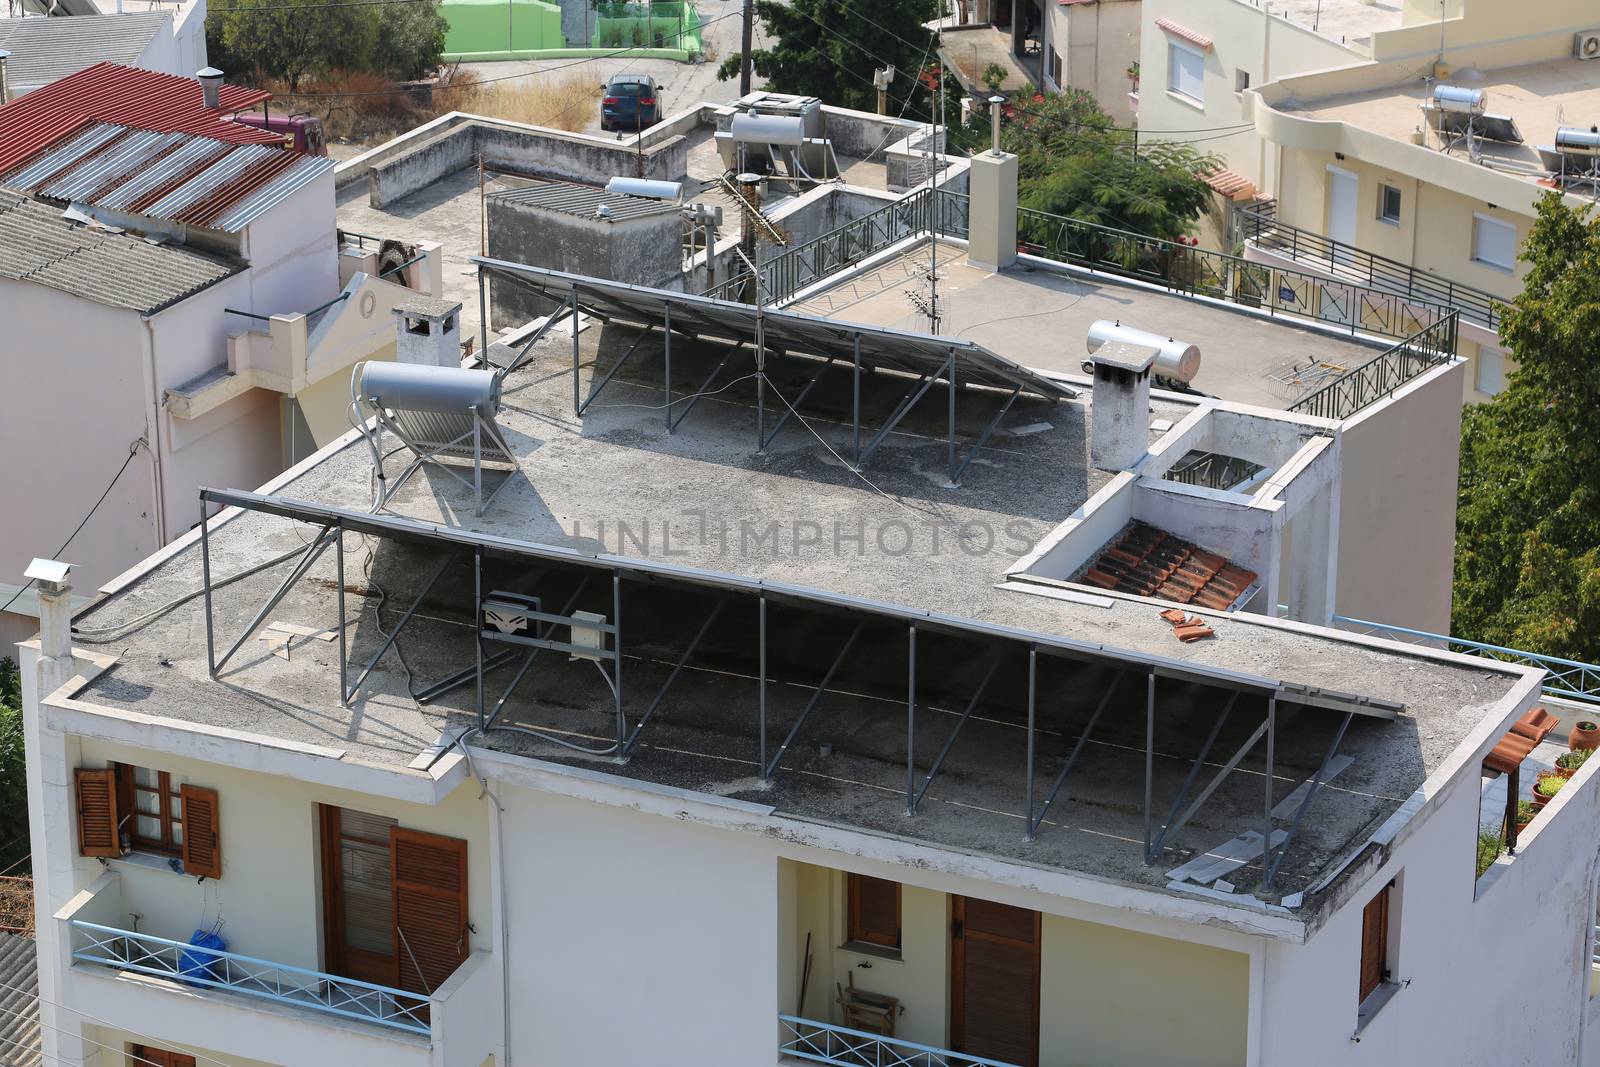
pixel 4 94
pixel 210 87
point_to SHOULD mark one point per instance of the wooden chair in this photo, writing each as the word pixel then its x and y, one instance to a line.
pixel 872 1012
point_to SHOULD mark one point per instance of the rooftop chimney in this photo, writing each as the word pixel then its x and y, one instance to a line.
pixel 210 87
pixel 1120 407
pixel 992 205
pixel 51 578
pixel 4 95
pixel 427 331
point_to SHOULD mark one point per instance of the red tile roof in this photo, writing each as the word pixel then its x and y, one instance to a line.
pixel 1146 561
pixel 1232 185
pixel 143 99
pixel 1192 36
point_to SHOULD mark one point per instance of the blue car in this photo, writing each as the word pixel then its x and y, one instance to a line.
pixel 632 102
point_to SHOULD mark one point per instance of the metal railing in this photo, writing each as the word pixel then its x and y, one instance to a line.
pixel 808 1039
pixel 214 969
pixel 1381 375
pixel 1190 271
pixel 1211 470
pixel 1565 677
pixel 793 269
pixel 1262 226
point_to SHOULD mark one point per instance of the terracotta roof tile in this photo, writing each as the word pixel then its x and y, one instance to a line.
pixel 1192 36
pixel 1148 561
pixel 1230 184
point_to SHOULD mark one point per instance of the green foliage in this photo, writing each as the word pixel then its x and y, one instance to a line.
pixel 1526 810
pixel 291 39
pixel 13 769
pixel 1549 785
pixel 993 75
pixel 1489 848
pixel 1571 761
pixel 824 48
pixel 1074 161
pixel 1527 563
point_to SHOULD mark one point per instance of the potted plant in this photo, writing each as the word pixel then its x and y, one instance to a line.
pixel 1547 785
pixel 1526 810
pixel 1133 75
pixel 1585 734
pixel 993 75
pixel 1570 761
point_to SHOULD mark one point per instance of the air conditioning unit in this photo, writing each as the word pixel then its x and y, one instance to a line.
pixel 1586 44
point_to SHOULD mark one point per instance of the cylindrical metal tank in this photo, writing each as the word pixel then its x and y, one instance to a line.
pixel 1461 99
pixel 1577 141
pixel 416 387
pixel 769 129
pixel 645 187
pixel 1179 360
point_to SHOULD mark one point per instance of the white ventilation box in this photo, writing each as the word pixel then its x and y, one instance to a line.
pixel 587 637
pixel 1586 44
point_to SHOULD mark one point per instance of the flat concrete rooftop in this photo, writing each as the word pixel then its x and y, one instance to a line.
pixel 1039 317
pixel 1349 21
pixel 903 537
pixel 1538 96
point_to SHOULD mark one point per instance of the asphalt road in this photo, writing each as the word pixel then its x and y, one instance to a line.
pixel 683 83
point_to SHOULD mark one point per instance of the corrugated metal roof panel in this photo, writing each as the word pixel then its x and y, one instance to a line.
pixel 44 50
pixel 173 176
pixel 19 1001
pixel 143 99
pixel 584 201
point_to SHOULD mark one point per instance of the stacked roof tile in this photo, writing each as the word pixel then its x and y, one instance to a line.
pixel 1147 561
pixel 143 99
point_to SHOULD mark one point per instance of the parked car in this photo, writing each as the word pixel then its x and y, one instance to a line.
pixel 631 102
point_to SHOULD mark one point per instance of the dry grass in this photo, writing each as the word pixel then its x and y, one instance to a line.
pixel 569 103
pixel 361 106
pixel 16 905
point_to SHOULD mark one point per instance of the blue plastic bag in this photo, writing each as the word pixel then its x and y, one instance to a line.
pixel 204 966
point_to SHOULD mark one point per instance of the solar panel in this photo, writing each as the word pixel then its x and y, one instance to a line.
pixel 1490 127
pixel 725 320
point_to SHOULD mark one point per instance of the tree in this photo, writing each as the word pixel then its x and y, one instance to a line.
pixel 1075 162
pixel 829 49
pixel 13 770
pixel 291 39
pixel 1527 561
pixel 409 39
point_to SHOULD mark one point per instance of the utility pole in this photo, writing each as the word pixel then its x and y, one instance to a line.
pixel 749 30
pixel 880 81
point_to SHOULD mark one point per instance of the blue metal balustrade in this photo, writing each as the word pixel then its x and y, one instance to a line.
pixel 207 968
pixel 818 1042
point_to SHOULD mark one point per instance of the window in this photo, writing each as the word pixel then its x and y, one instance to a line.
pixel 874 912
pixel 1241 80
pixel 1186 69
pixel 1375 943
pixel 1388 204
pixel 1494 242
pixel 1491 370
pixel 146 1056
pixel 1055 67
pixel 153 810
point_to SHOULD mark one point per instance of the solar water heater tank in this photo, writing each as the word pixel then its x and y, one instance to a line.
pixel 419 387
pixel 1460 99
pixel 1175 359
pixel 788 130
pixel 1576 141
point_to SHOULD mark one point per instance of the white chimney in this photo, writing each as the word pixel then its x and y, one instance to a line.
pixel 427 331
pixel 4 94
pixel 51 578
pixel 992 205
pixel 210 87
pixel 1120 405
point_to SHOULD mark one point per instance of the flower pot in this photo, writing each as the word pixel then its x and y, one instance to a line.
pixel 1585 734
pixel 1539 799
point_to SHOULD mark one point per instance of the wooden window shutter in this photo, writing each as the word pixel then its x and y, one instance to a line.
pixel 430 907
pixel 1374 942
pixel 97 812
pixel 874 911
pixel 202 829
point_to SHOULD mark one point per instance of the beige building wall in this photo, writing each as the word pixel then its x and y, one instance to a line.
pixel 1098 984
pixel 104 1046
pixel 1097 43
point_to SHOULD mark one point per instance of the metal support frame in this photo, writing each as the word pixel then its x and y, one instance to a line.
pixel 666 358
pixel 533 654
pixel 950 432
pixel 911 719
pixel 949 743
pixel 1188 783
pixel 307 558
pixel 1266 803
pixel 705 387
pixel 1035 821
pixel 761 655
pixel 855 403
pixel 1149 758
pixel 918 391
pixel 791 408
pixel 816 697
pixel 983 438
pixel 522 354
pixel 348 694
pixel 578 408
pixel 1313 784
pixel 649 713
pixel 1216 780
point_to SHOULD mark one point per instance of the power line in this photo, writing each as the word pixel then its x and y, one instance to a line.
pixel 87 1040
pixel 132 451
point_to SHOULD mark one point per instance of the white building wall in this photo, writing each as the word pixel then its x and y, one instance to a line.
pixel 293 252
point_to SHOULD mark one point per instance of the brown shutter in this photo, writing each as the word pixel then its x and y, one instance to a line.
pixel 874 911
pixel 430 907
pixel 97 812
pixel 202 828
pixel 1374 942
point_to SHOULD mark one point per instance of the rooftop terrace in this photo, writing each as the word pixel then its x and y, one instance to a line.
pixel 695 519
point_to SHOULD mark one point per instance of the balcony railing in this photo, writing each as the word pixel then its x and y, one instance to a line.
pixel 1190 271
pixel 1261 226
pixel 213 969
pixel 790 271
pixel 808 1039
pixel 1565 678
pixel 1381 375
